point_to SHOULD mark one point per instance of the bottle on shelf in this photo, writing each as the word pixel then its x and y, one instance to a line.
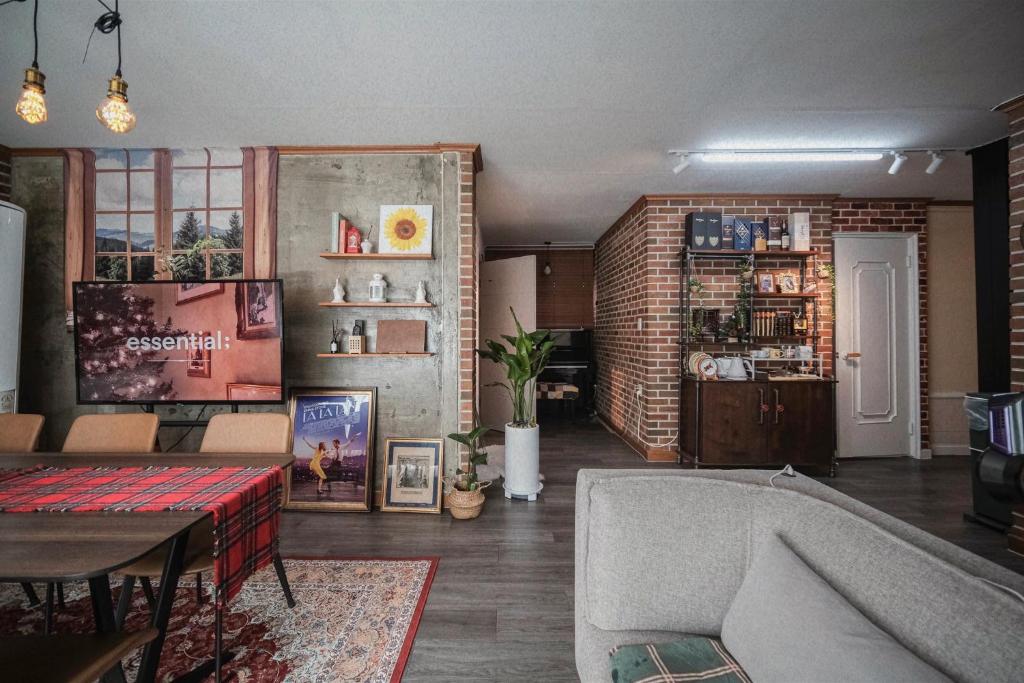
pixel 785 235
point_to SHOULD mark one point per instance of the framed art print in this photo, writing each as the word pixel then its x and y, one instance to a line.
pixel 406 229
pixel 412 475
pixel 332 441
pixel 258 307
pixel 765 283
pixel 190 291
pixel 789 283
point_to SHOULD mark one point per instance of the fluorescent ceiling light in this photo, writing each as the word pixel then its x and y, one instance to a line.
pixel 898 159
pixel 937 159
pixel 787 156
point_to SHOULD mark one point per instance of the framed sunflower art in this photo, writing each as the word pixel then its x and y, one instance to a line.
pixel 406 229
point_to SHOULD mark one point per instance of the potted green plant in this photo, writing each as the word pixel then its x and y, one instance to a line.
pixel 524 360
pixel 464 493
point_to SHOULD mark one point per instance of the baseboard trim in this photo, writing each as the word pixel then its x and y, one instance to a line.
pixel 951 449
pixel 648 454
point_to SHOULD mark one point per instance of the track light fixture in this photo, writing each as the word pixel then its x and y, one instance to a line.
pixel 776 156
pixel 898 159
pixel 31 105
pixel 937 159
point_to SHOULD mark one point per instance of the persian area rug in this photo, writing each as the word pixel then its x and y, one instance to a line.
pixel 354 620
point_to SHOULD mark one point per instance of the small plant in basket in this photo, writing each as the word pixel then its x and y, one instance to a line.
pixel 464 492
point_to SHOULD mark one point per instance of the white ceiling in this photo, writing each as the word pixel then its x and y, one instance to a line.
pixel 574 103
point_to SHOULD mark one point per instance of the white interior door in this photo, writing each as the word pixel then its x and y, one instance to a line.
pixel 876 344
pixel 12 263
pixel 504 283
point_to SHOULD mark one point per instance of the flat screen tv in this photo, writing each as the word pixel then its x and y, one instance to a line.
pixel 179 342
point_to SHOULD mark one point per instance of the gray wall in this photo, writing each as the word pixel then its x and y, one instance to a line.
pixel 416 397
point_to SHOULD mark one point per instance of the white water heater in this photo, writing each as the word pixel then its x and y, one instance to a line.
pixel 12 274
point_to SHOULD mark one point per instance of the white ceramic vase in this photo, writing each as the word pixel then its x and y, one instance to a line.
pixel 522 462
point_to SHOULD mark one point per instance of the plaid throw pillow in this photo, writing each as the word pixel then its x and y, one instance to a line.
pixel 694 658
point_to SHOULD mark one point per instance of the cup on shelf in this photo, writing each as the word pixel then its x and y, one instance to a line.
pixel 759 354
pixel 775 353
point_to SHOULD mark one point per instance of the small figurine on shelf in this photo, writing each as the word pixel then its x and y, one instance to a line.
pixel 378 289
pixel 335 336
pixel 421 293
pixel 339 292
pixel 352 238
pixel 366 244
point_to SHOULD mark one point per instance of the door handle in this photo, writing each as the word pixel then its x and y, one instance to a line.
pixel 852 355
pixel 762 407
pixel 779 408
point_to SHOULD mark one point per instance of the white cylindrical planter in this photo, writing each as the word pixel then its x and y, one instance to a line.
pixel 522 462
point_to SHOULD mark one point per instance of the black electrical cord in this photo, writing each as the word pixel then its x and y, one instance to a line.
pixel 106 24
pixel 35 36
pixel 187 432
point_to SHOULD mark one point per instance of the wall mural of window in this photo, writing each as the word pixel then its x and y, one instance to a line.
pixel 187 214
pixel 169 213
pixel 207 213
pixel 125 227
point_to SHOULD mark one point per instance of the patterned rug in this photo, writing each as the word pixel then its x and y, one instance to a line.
pixel 355 620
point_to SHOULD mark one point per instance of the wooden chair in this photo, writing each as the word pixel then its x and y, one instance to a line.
pixel 226 433
pixel 113 433
pixel 19 432
pixel 105 433
pixel 76 658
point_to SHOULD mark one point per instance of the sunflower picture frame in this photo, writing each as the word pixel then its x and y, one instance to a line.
pixel 406 229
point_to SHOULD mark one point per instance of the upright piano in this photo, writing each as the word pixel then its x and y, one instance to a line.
pixel 572 361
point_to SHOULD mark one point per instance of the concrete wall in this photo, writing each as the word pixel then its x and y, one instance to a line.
pixel 416 397
pixel 953 352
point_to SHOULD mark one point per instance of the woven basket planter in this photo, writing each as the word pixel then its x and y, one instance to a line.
pixel 466 504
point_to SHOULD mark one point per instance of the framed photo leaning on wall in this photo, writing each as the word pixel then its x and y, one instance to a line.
pixel 412 475
pixel 332 440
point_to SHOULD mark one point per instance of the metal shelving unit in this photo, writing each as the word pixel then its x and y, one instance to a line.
pixel 755 302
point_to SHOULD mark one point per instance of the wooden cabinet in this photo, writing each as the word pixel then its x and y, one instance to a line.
pixel 757 424
pixel 565 298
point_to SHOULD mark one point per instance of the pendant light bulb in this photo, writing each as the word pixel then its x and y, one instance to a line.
pixel 114 112
pixel 31 105
pixel 547 268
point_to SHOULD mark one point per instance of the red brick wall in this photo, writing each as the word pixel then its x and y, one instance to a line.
pixel 620 350
pixel 5 174
pixel 638 276
pixel 1015 112
pixel 896 215
pixel 468 291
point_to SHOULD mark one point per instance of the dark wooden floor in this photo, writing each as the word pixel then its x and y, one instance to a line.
pixel 501 605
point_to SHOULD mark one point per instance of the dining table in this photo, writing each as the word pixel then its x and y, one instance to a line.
pixel 61 547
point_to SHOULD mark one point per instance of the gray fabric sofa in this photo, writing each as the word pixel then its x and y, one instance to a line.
pixel 661 553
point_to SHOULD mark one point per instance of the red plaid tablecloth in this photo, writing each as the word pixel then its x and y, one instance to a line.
pixel 245 502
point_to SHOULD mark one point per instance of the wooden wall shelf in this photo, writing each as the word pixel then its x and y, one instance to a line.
pixel 425 354
pixel 378 257
pixel 777 295
pixel 371 304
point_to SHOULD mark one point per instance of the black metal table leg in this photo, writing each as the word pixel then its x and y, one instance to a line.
pixel 103 615
pixel 30 593
pixel 124 603
pixel 162 613
pixel 283 578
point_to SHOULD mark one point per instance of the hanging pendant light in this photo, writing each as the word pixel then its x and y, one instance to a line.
pixel 31 105
pixel 547 263
pixel 114 112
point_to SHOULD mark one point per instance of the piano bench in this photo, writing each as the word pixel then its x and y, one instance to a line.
pixel 559 391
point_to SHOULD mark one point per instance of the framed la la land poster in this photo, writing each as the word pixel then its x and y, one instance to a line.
pixel 332 432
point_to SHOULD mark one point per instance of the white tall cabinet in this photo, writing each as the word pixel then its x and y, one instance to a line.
pixel 12 274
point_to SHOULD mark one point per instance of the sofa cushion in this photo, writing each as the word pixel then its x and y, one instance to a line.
pixel 690 658
pixel 787 624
